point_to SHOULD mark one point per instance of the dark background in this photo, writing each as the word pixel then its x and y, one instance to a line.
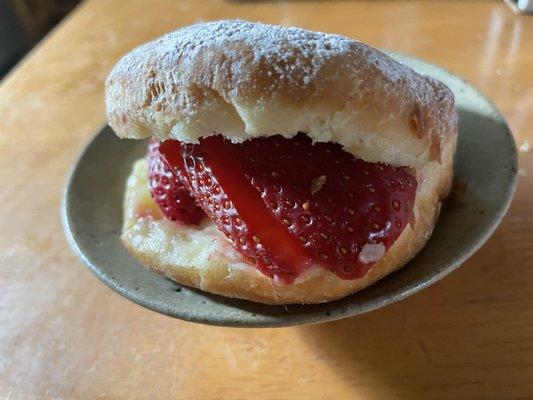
pixel 23 23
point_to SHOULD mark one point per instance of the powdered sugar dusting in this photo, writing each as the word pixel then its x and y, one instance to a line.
pixel 293 56
pixel 246 80
pixel 299 48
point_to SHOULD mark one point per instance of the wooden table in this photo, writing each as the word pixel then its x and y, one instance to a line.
pixel 63 334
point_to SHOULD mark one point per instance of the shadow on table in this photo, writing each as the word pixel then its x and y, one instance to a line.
pixel 470 336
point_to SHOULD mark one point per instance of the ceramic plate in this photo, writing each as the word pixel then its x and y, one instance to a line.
pixel 485 174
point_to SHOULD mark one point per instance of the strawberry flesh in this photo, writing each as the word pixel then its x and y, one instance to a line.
pixel 288 203
pixel 334 203
pixel 168 184
pixel 236 207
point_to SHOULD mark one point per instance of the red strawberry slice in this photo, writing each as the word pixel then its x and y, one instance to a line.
pixel 168 185
pixel 225 193
pixel 286 203
pixel 346 212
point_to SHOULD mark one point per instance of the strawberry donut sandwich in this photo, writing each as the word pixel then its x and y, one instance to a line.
pixel 283 165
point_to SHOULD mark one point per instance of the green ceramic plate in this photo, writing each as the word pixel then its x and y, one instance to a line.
pixel 486 166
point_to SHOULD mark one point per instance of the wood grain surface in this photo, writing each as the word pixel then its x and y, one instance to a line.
pixel 64 335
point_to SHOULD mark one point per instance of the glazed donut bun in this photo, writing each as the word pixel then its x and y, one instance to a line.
pixel 249 82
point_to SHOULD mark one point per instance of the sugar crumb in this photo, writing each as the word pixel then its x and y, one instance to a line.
pixel 524 147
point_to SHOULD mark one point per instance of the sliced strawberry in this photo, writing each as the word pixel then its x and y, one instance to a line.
pixel 168 186
pixel 236 207
pixel 346 212
pixel 286 202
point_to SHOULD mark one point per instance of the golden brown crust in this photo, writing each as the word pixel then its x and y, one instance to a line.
pixel 246 80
